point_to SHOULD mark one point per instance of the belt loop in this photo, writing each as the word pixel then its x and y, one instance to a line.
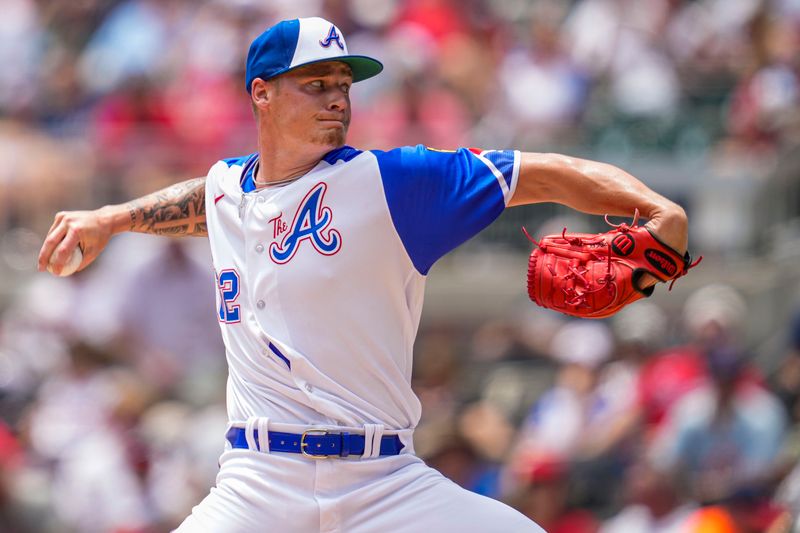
pixel 249 433
pixel 376 440
pixel 263 434
pixel 373 433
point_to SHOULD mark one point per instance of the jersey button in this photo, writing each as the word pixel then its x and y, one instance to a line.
pixel 309 387
pixel 260 304
pixel 261 199
pixel 259 248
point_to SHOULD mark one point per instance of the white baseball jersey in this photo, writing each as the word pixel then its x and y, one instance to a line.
pixel 321 280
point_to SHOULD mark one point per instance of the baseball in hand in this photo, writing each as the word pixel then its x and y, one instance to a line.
pixel 72 265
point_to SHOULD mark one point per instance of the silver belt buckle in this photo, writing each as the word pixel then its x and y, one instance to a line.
pixel 304 444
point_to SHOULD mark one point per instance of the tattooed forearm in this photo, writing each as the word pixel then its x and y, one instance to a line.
pixel 177 210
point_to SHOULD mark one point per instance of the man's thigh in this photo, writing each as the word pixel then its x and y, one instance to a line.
pixel 417 499
pixel 258 493
pixel 294 494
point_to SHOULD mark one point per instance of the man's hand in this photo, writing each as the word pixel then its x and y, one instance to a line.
pixel 91 230
pixel 672 228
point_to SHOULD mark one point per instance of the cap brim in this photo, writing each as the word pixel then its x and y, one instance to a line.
pixel 363 67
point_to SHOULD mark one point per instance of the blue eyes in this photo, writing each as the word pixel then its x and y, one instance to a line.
pixel 320 84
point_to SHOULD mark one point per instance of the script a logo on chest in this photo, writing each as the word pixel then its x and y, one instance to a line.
pixel 309 226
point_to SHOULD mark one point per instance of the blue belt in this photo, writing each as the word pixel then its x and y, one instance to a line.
pixel 316 443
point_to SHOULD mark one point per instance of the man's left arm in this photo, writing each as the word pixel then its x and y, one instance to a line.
pixel 598 188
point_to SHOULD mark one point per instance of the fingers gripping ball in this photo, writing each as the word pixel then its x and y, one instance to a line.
pixel 72 265
pixel 596 275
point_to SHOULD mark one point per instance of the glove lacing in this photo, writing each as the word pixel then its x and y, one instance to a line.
pixel 576 298
pixel 573 297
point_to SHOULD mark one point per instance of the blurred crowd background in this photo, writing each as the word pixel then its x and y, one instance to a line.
pixel 680 414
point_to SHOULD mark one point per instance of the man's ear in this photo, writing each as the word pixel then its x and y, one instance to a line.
pixel 261 93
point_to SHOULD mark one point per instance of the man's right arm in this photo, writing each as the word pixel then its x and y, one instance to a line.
pixel 177 210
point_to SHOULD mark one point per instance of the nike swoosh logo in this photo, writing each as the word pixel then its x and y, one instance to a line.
pixel 218 198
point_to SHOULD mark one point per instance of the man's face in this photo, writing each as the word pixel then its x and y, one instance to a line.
pixel 312 105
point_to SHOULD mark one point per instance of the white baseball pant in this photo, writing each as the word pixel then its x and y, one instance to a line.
pixel 258 491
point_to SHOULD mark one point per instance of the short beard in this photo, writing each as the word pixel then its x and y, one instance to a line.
pixel 332 137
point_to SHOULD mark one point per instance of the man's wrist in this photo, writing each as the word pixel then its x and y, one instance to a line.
pixel 117 218
pixel 671 225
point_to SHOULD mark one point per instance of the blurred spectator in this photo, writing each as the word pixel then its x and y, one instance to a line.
pixel 184 445
pixel 560 419
pixel 39 172
pixel 131 121
pixel 724 437
pixel 787 496
pixel 545 498
pixel 664 379
pixel 639 331
pixel 130 42
pixel 545 70
pixel 21 37
pixel 434 379
pixel 74 425
pixel 644 81
pixel 619 38
pixel 11 459
pixel 509 364
pixel 458 461
pixel 654 503
pixel 713 316
pixel 489 435
pixel 764 103
pixel 786 380
pixel 614 440
pixel 438 18
pixel 569 416
pixel 178 339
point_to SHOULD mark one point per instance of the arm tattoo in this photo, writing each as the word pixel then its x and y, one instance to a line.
pixel 177 210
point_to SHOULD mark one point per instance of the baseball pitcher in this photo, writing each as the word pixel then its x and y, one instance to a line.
pixel 320 253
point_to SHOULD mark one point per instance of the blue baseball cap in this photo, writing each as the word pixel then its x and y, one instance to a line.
pixel 293 43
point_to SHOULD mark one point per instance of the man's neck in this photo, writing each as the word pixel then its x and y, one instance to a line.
pixel 278 166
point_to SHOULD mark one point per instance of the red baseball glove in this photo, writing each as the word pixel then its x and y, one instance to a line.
pixel 596 275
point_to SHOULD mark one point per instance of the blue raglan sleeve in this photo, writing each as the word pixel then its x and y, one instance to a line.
pixel 440 199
